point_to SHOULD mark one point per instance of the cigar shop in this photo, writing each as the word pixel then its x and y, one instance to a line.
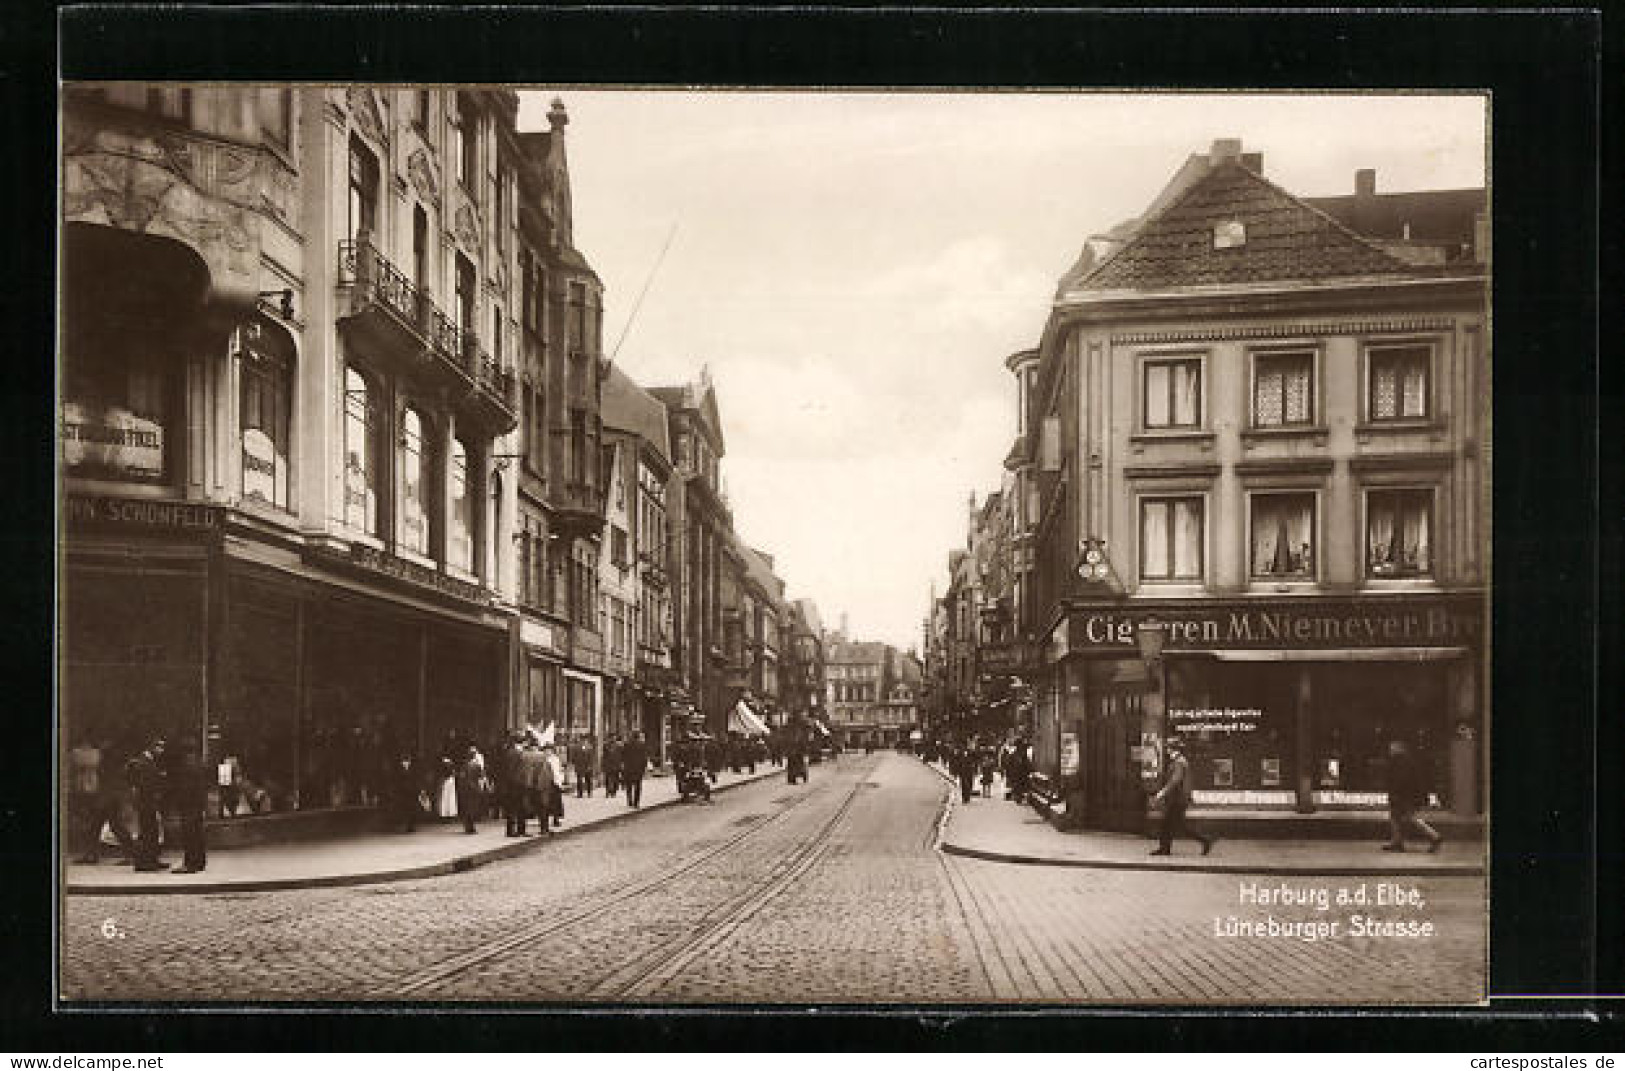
pixel 1286 704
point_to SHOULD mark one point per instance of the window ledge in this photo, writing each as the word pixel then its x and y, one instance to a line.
pixel 1317 432
pixel 1408 425
pixel 413 556
pixel 1400 583
pixel 1264 586
pixel 1175 435
pixel 1173 589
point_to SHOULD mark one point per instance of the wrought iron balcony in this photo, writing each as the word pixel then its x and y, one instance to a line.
pixel 395 318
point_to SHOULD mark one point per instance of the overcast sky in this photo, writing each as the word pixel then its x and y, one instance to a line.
pixel 855 267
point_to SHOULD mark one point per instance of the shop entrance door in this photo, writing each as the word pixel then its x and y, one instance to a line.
pixel 1113 798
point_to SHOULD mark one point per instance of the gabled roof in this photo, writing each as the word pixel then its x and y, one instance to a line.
pixel 759 568
pixel 699 398
pixel 1441 216
pixel 1285 239
pixel 628 407
pixel 808 610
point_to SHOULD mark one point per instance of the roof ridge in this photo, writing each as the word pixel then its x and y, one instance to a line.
pixel 1337 224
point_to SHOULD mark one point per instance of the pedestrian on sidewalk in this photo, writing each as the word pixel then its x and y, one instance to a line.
pixel 469 780
pixel 402 788
pixel 1174 798
pixel 581 761
pixel 553 781
pixel 612 767
pixel 146 781
pixel 987 762
pixel 1407 793
pixel 962 764
pixel 634 762
pixel 85 809
pixel 188 797
pixel 534 775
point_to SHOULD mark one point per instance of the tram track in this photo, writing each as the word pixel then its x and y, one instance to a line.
pixel 667 960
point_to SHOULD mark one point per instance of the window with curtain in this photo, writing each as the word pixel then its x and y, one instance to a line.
pixel 415 484
pixel 266 387
pixel 1173 393
pixel 1283 536
pixel 460 530
pixel 1171 538
pixel 363 202
pixel 1399 382
pixel 361 429
pixel 1283 389
pixel 1399 533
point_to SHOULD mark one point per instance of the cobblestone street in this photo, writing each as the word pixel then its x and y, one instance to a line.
pixel 827 892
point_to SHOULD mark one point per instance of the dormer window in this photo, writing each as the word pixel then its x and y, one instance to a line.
pixel 1229 234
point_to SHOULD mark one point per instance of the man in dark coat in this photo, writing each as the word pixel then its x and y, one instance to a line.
pixel 581 762
pixel 188 797
pixel 535 777
pixel 1407 793
pixel 1175 798
pixel 634 762
pixel 146 791
pixel 510 787
pixel 402 787
pixel 612 766
pixel 963 766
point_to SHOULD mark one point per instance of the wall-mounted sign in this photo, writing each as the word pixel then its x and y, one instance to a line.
pixel 1004 657
pixel 112 441
pixel 1215 719
pixel 388 566
pixel 1320 624
pixel 536 634
pixel 1071 757
pixel 140 513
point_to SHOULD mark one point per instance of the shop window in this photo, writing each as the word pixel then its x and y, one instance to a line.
pixel 266 389
pixel 362 429
pixel 1283 389
pixel 460 531
pixel 363 201
pixel 1398 533
pixel 1171 538
pixel 120 414
pixel 1399 382
pixel 1283 536
pixel 415 484
pixel 1173 393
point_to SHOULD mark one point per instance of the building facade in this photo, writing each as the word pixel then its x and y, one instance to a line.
pixel 288 375
pixel 803 676
pixel 1260 479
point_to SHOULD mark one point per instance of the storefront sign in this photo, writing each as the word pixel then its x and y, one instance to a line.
pixel 379 563
pixel 263 473
pixel 1216 719
pixel 1004 658
pixel 1310 626
pixel 111 440
pixel 140 513
pixel 1071 759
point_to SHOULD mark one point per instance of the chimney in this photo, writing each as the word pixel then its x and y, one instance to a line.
pixel 1224 149
pixel 1365 182
pixel 1253 161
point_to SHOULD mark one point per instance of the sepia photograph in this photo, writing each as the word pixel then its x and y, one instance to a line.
pixel 570 546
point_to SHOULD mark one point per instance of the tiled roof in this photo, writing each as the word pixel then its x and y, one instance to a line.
pixel 1286 239
pixel 1423 215
pixel 629 407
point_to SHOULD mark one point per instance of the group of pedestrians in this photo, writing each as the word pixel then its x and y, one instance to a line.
pixel 153 781
pixel 977 760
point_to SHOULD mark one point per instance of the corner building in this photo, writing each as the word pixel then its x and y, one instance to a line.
pixel 1270 427
pixel 290 360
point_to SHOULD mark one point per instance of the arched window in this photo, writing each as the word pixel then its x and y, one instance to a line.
pixel 361 452
pixel 413 530
pixel 460 532
pixel 265 392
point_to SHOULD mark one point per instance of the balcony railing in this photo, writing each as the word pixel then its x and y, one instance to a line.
pixel 377 280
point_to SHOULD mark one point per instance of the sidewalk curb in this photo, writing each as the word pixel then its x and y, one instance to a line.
pixel 456 865
pixel 946 845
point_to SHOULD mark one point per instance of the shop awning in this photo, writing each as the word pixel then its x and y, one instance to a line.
pixel 1347 654
pixel 744 720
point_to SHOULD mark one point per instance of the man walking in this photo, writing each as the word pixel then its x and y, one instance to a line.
pixel 189 797
pixel 963 766
pixel 581 763
pixel 634 762
pixel 534 776
pixel 1406 794
pixel 1175 798
pixel 85 809
pixel 146 789
pixel 612 767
